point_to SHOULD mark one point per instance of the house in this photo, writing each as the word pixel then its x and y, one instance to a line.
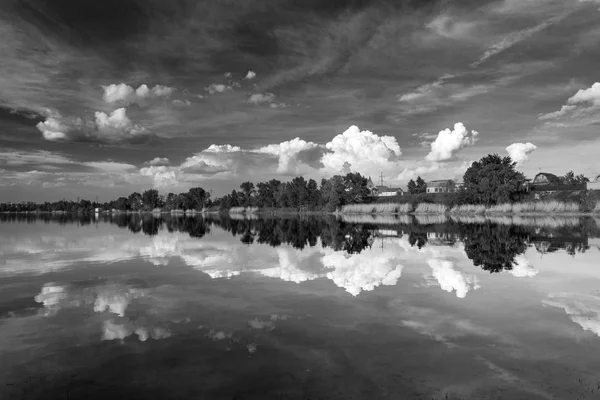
pixel 384 191
pixel 441 186
pixel 545 178
pixel 595 184
pixel 545 181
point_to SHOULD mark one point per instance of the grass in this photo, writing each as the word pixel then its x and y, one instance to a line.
pixel 430 219
pixel 388 219
pixel 468 209
pixel 241 210
pixel 552 206
pixel 431 208
pixel 377 208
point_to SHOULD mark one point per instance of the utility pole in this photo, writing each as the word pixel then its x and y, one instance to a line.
pixel 381 179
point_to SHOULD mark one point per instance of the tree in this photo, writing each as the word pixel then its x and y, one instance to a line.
pixel 412 187
pixel 135 201
pixel 150 199
pixel 571 179
pixel 492 180
pixel 421 185
pixel 247 193
pixel 197 197
pixel 333 192
pixel 356 187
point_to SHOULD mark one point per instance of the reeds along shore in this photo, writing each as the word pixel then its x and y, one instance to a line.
pixel 539 207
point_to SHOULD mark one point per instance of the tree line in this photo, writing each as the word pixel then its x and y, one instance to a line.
pixel 491 180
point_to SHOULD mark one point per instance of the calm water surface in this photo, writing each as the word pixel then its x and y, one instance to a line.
pixel 131 307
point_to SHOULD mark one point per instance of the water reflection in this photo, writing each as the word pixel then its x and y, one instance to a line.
pixel 253 306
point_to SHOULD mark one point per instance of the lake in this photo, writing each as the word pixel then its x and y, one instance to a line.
pixel 362 307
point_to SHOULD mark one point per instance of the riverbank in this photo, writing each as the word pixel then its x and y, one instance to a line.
pixel 525 208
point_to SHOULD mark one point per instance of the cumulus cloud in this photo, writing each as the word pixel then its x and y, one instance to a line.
pixel 288 154
pixel 251 75
pixel 449 142
pixel 53 128
pixel 365 151
pixel 57 127
pixel 519 152
pixel 163 177
pixel 116 124
pixel 158 161
pixel 125 94
pixel 450 279
pixel 581 104
pixel 214 88
pixel 222 148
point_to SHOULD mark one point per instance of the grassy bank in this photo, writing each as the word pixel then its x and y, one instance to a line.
pixel 530 207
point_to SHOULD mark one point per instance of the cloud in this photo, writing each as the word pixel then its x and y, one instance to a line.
pixel 365 151
pixel 449 278
pixel 522 267
pixel 289 154
pixel 116 125
pixel 125 94
pixel 222 148
pixel 250 75
pixel 519 152
pixel 214 88
pixel 204 168
pixel 442 93
pixel 584 103
pixel 110 166
pixel 449 142
pixel 58 128
pixel 158 161
pixel 38 157
pixel 112 127
pixel 364 271
pixel 259 98
pixel 163 177
pixel 584 310
pixel 514 38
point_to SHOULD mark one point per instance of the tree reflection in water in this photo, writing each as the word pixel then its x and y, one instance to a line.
pixel 490 245
pixel 494 247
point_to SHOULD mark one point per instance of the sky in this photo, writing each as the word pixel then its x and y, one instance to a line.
pixel 103 98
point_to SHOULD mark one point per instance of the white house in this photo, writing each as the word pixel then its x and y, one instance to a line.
pixel 384 191
pixel 595 184
pixel 441 186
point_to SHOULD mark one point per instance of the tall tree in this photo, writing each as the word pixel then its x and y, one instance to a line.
pixel 150 199
pixel 412 187
pixel 356 187
pixel 197 197
pixel 135 201
pixel 492 180
pixel 421 185
pixel 248 191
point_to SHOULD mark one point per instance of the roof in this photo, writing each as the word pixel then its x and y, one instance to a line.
pixel 440 183
pixel 388 189
pixel 551 177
